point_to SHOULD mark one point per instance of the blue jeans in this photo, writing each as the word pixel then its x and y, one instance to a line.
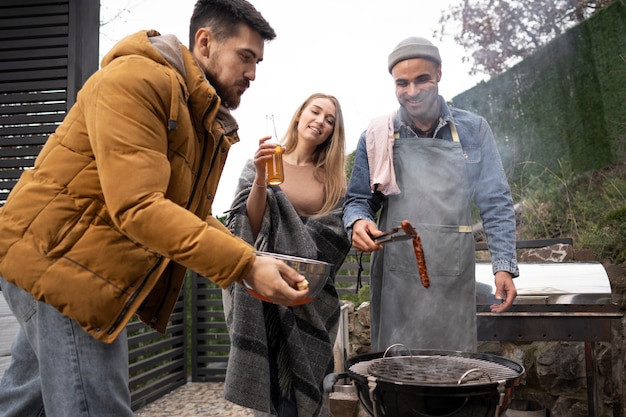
pixel 57 369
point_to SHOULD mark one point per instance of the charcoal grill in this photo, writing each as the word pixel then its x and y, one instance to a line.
pixel 564 301
pixel 561 301
pixel 428 383
pixel 439 370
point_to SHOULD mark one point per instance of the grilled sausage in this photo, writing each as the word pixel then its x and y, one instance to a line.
pixel 419 252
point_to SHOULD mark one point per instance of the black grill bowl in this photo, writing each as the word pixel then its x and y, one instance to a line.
pixel 401 399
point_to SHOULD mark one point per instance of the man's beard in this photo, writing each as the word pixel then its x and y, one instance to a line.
pixel 230 97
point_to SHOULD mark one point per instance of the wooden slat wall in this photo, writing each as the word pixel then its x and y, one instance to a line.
pixel 47 50
pixel 209 339
pixel 157 363
pixel 33 81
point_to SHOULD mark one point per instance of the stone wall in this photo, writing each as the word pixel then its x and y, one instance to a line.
pixel 556 376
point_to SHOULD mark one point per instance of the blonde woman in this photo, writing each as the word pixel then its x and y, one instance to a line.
pixel 280 355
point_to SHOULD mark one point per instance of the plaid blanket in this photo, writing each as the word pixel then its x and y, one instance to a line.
pixel 299 338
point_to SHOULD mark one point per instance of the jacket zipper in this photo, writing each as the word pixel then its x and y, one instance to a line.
pixel 204 147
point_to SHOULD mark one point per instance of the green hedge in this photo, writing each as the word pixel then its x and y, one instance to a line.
pixel 565 104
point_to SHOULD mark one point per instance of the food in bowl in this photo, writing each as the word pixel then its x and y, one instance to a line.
pixel 314 271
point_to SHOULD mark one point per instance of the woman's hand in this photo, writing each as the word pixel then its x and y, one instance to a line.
pixel 255 206
pixel 263 154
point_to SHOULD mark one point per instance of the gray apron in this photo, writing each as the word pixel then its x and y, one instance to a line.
pixel 435 198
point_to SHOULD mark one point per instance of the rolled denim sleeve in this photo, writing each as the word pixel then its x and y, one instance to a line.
pixel 493 198
pixel 360 202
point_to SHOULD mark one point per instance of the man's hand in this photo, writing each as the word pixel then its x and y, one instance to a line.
pixel 275 281
pixel 505 291
pixel 362 233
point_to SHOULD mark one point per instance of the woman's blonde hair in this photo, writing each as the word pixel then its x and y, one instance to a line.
pixel 329 157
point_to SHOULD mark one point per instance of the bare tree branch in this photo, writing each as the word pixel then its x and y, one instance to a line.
pixel 497 34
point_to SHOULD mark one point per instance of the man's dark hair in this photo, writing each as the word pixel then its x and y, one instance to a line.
pixel 223 18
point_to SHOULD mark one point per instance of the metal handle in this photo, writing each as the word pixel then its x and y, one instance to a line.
pixel 471 371
pixel 501 387
pixel 502 392
pixel 331 379
pixel 396 345
pixel 371 384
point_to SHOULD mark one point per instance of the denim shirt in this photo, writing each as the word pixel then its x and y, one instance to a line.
pixel 489 187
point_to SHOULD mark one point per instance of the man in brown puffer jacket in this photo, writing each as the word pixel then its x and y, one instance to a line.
pixel 118 206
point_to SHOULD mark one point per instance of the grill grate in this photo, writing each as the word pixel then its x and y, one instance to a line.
pixel 434 370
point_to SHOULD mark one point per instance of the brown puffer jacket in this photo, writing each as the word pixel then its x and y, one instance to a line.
pixel 118 205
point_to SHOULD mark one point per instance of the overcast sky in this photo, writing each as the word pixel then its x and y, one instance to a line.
pixel 338 47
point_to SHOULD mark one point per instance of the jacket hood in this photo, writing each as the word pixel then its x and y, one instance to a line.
pixel 168 50
pixel 139 44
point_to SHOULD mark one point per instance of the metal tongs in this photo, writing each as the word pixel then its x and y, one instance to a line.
pixel 393 235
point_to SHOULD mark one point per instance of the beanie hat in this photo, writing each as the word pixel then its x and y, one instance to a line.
pixel 413 47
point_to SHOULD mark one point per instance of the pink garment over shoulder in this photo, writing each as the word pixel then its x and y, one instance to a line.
pixel 379 145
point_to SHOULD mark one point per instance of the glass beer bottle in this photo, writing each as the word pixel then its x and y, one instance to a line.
pixel 274 167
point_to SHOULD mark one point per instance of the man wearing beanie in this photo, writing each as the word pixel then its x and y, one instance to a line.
pixel 426 163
